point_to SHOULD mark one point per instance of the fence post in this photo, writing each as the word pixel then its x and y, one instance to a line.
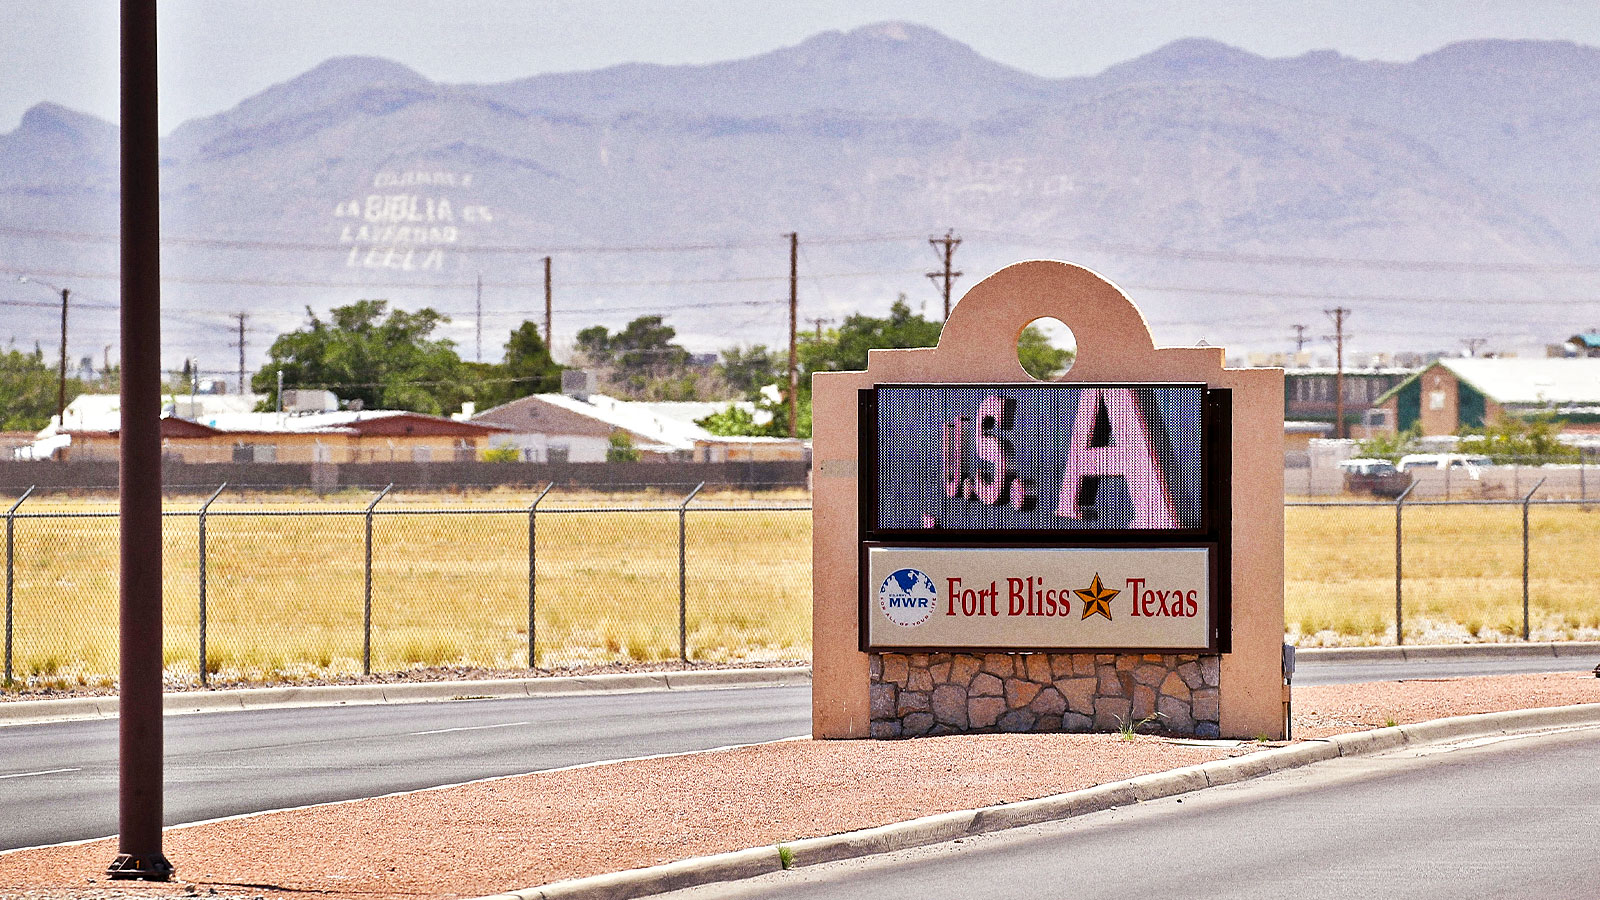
pixel 1525 501
pixel 1399 554
pixel 204 676
pixel 533 578
pixel 683 575
pixel 11 578
pixel 366 607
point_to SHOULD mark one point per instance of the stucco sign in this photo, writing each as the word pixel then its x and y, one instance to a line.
pixel 993 552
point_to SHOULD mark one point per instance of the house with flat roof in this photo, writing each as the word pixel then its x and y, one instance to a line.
pixel 1470 392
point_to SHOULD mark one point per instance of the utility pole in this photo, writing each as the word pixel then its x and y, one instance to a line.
pixel 547 345
pixel 241 317
pixel 794 324
pixel 61 384
pixel 480 317
pixel 1299 339
pixel 1337 314
pixel 139 736
pixel 1473 344
pixel 818 322
pixel 949 242
pixel 61 389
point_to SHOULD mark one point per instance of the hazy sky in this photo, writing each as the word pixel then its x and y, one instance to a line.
pixel 217 52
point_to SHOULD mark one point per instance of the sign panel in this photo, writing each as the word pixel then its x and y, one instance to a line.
pixel 1108 598
pixel 1045 457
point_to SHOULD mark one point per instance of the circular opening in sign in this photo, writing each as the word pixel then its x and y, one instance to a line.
pixel 1046 348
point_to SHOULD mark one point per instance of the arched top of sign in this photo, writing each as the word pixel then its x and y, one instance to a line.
pixel 980 338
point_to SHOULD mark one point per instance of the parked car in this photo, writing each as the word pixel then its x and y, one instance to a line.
pixel 1378 477
pixel 1468 463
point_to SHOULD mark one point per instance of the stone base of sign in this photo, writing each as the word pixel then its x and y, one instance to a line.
pixel 916 694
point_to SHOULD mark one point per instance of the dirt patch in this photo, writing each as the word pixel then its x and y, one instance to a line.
pixel 516 832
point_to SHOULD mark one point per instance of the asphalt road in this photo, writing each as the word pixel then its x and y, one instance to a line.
pixel 1512 818
pixel 1354 671
pixel 58 781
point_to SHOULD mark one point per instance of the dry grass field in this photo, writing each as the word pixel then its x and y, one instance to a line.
pixel 286 584
pixel 1462 568
pixel 286 581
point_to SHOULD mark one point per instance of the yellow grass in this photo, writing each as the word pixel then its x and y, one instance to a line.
pixel 1462 567
pixel 285 592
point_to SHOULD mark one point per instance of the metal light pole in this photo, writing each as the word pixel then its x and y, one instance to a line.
pixel 61 390
pixel 140 750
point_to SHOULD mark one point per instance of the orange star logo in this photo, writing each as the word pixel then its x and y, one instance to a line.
pixel 1096 598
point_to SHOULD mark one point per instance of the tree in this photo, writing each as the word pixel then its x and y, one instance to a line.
pixel 386 362
pixel 746 370
pixel 620 448
pixel 1512 439
pixel 527 369
pixel 641 361
pixel 1038 357
pixel 28 390
pixel 845 349
pixel 731 422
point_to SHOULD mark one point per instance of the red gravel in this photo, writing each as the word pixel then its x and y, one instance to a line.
pixel 528 830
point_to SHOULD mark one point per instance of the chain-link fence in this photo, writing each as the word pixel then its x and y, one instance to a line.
pixel 380 583
pixel 269 586
pixel 1437 571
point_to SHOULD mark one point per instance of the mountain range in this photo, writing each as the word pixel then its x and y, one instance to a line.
pixel 1235 196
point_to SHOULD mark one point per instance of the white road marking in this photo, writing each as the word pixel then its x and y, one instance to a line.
pixel 469 728
pixel 43 772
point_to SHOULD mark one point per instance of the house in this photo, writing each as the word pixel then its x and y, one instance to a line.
pixel 92 432
pixel 1469 392
pixel 1309 392
pixel 579 427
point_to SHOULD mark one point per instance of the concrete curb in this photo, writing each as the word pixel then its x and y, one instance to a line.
pixel 939 829
pixel 1450 651
pixel 37 712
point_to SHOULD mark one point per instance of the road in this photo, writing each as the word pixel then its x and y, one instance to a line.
pixel 1512 818
pixel 221 764
pixel 58 782
pixel 1354 671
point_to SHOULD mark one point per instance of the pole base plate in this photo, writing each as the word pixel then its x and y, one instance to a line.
pixel 146 867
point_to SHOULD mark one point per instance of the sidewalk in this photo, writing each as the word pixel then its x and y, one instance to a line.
pixel 499 835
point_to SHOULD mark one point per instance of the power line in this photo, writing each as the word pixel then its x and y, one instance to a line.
pixel 302 246
pixel 1309 261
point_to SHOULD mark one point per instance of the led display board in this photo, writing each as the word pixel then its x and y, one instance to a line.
pixel 1044 517
pixel 1036 457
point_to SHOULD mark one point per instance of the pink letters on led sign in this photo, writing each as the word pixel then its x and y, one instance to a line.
pixel 1130 456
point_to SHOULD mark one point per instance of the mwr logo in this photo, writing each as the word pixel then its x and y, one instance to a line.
pixel 908 597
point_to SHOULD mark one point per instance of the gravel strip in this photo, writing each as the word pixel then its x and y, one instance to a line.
pixel 517 832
